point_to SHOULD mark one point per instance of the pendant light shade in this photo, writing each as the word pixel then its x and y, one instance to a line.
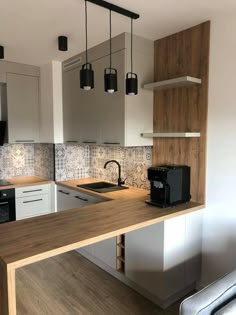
pixel 1 52
pixel 131 80
pixel 86 73
pixel 110 74
pixel 131 83
pixel 86 77
pixel 110 80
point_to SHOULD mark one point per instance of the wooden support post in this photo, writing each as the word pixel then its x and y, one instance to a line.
pixel 7 290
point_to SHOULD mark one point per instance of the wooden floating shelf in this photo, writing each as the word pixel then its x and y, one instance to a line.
pixel 173 83
pixel 171 135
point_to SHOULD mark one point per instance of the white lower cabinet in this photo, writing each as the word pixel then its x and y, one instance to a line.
pixel 161 261
pixel 164 259
pixel 70 199
pixel 33 201
pixel 104 251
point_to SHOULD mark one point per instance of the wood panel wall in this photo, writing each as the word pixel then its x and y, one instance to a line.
pixel 183 109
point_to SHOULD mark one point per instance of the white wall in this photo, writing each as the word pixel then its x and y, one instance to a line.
pixel 219 233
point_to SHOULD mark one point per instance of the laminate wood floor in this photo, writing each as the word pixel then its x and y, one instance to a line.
pixel 71 285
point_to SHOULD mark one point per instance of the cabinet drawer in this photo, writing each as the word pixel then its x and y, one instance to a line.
pixel 69 199
pixel 88 199
pixel 32 206
pixel 32 190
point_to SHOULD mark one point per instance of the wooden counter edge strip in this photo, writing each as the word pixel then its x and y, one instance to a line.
pixel 67 248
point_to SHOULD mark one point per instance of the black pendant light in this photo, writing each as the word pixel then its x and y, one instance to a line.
pixel 131 77
pixel 62 43
pixel 110 74
pixel 86 73
pixel 1 52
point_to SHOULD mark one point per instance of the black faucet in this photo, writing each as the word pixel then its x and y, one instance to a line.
pixel 120 181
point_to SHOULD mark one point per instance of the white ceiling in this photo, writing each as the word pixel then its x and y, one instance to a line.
pixel 29 28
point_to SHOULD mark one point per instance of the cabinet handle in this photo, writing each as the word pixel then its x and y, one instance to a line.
pixel 90 142
pixel 72 141
pixel 63 192
pixel 111 142
pixel 4 203
pixel 19 141
pixel 32 200
pixel 28 191
pixel 80 198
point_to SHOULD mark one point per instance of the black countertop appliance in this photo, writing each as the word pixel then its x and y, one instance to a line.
pixel 170 185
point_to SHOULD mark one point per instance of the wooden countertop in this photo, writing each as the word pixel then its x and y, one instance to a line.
pixel 132 192
pixel 30 240
pixel 25 181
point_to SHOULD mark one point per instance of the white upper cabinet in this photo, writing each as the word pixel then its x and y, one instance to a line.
pixel 101 118
pixel 22 108
pixel 51 112
pixel 70 115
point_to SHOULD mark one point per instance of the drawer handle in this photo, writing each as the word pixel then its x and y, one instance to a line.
pixel 111 142
pixel 80 198
pixel 63 192
pixel 32 200
pixel 89 142
pixel 24 140
pixel 72 141
pixel 28 191
pixel 4 203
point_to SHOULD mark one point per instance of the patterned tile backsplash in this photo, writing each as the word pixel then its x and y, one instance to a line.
pixel 26 160
pixel 16 160
pixel 44 160
pixel 76 161
pixel 71 161
pixel 134 163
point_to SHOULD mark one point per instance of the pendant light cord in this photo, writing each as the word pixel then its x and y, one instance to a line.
pixel 110 41
pixel 131 45
pixel 86 32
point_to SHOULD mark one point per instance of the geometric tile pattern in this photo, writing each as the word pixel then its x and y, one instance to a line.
pixel 16 160
pixel 71 161
pixel 76 161
pixel 44 161
pixel 134 162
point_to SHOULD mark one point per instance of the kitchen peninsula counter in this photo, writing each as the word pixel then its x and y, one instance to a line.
pixel 31 240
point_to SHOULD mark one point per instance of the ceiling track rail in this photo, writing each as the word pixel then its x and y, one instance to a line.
pixel 115 8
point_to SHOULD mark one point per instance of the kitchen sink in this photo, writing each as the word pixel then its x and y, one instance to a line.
pixel 102 187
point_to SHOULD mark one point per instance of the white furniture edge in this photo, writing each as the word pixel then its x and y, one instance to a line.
pixel 172 83
pixel 171 135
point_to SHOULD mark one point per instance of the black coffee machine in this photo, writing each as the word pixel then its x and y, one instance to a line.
pixel 170 185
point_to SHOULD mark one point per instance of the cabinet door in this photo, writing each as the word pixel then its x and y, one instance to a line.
pixel 164 258
pixel 154 257
pixel 193 247
pixel 95 116
pixel 105 251
pixel 89 114
pixel 66 200
pixel 32 206
pixel 144 257
pixel 23 108
pixel 71 86
pixel 111 106
pixel 71 199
